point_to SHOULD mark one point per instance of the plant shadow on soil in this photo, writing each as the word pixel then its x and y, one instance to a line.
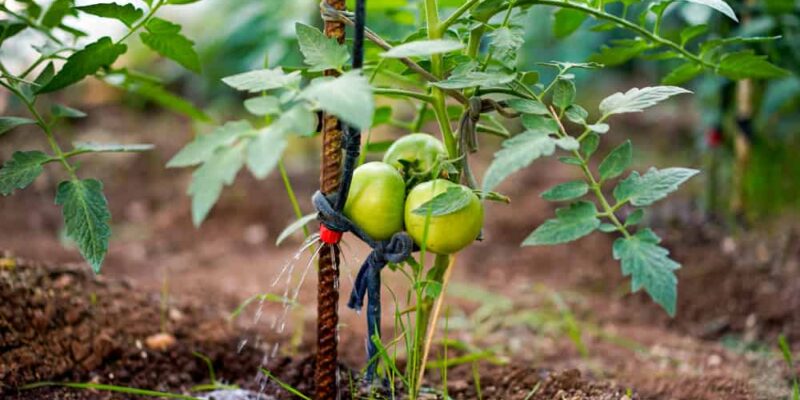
pixel 567 322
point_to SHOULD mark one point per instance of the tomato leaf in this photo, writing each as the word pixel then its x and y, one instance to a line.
pixel 473 79
pixel 262 80
pixel 571 223
pixel 453 199
pixel 320 52
pixel 9 123
pixel 264 105
pixel 617 161
pixel 84 62
pixel 745 64
pixel 566 191
pixel 203 147
pixel 208 180
pixel 423 48
pixel 86 217
pixel 348 97
pixel 566 21
pixel 56 12
pixel 127 14
pixel 294 227
pixel 636 100
pixel 112 147
pixel 516 154
pixel 653 186
pixel 21 170
pixel 165 38
pixel 563 93
pixel 526 106
pixel 264 152
pixel 649 267
pixel 62 111
pixel 718 5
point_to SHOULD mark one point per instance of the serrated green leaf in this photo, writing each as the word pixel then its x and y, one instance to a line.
pixel 127 14
pixel 654 185
pixel 589 145
pixel 718 5
pixel 86 217
pixel 566 191
pixel 566 21
pixel 208 180
pixel 526 106
pixel 295 227
pixel 21 170
pixel 62 111
pixel 56 12
pixel 452 200
pixel 517 153
pixel 649 267
pixel 203 147
pixel 563 93
pixel 636 100
pixel 320 51
pixel 264 105
pixel 474 79
pixel 745 64
pixel 617 161
pixel 423 48
pixel 9 123
pixel 165 38
pixel 262 80
pixel 84 62
pixel 505 44
pixel 112 147
pixel 683 73
pixel 348 97
pixel 571 223
pixel 264 152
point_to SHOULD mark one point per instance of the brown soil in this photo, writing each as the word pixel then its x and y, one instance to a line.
pixel 557 317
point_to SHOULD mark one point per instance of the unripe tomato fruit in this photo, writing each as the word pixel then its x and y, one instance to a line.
pixel 419 149
pixel 448 233
pixel 375 201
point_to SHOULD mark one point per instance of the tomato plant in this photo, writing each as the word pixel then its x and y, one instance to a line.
pixel 64 59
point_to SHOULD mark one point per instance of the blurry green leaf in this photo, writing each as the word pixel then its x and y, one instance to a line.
pixel 56 12
pixel 568 143
pixel 566 191
pixel 654 185
pixel 617 161
pixel 264 105
pixel 203 147
pixel 539 123
pixel 84 62
pixel 607 228
pixel 576 114
pixel 61 111
pixel 473 79
pixel 9 29
pixel 567 21
pixel 571 223
pixel 570 160
pixel 208 180
pixel 589 145
pixel 383 115
pixel 127 14
pixel 165 38
pixel 599 128
pixel 155 92
pixel 649 267
pixel 718 5
pixel 264 152
pixel 112 147
pixel 453 199
pixel 634 217
pixel 423 48
pixel 262 80
pixel 683 73
pixel 295 227
pixel 505 44
pixel 636 100
pixel 9 123
pixel 526 106
pixel 689 33
pixel 517 153
pixel 348 97
pixel 378 147
pixel 320 51
pixel 86 217
pixel 21 170
pixel 745 64
pixel 563 93
pixel 620 53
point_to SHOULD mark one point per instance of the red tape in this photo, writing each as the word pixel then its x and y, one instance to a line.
pixel 329 236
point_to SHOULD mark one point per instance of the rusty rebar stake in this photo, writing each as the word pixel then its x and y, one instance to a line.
pixel 327 385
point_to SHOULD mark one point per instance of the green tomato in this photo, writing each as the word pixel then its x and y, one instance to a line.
pixel 448 233
pixel 375 201
pixel 420 150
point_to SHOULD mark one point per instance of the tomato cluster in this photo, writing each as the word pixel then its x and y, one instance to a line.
pixel 379 204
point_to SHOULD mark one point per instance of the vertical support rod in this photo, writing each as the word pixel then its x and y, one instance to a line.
pixel 327 386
